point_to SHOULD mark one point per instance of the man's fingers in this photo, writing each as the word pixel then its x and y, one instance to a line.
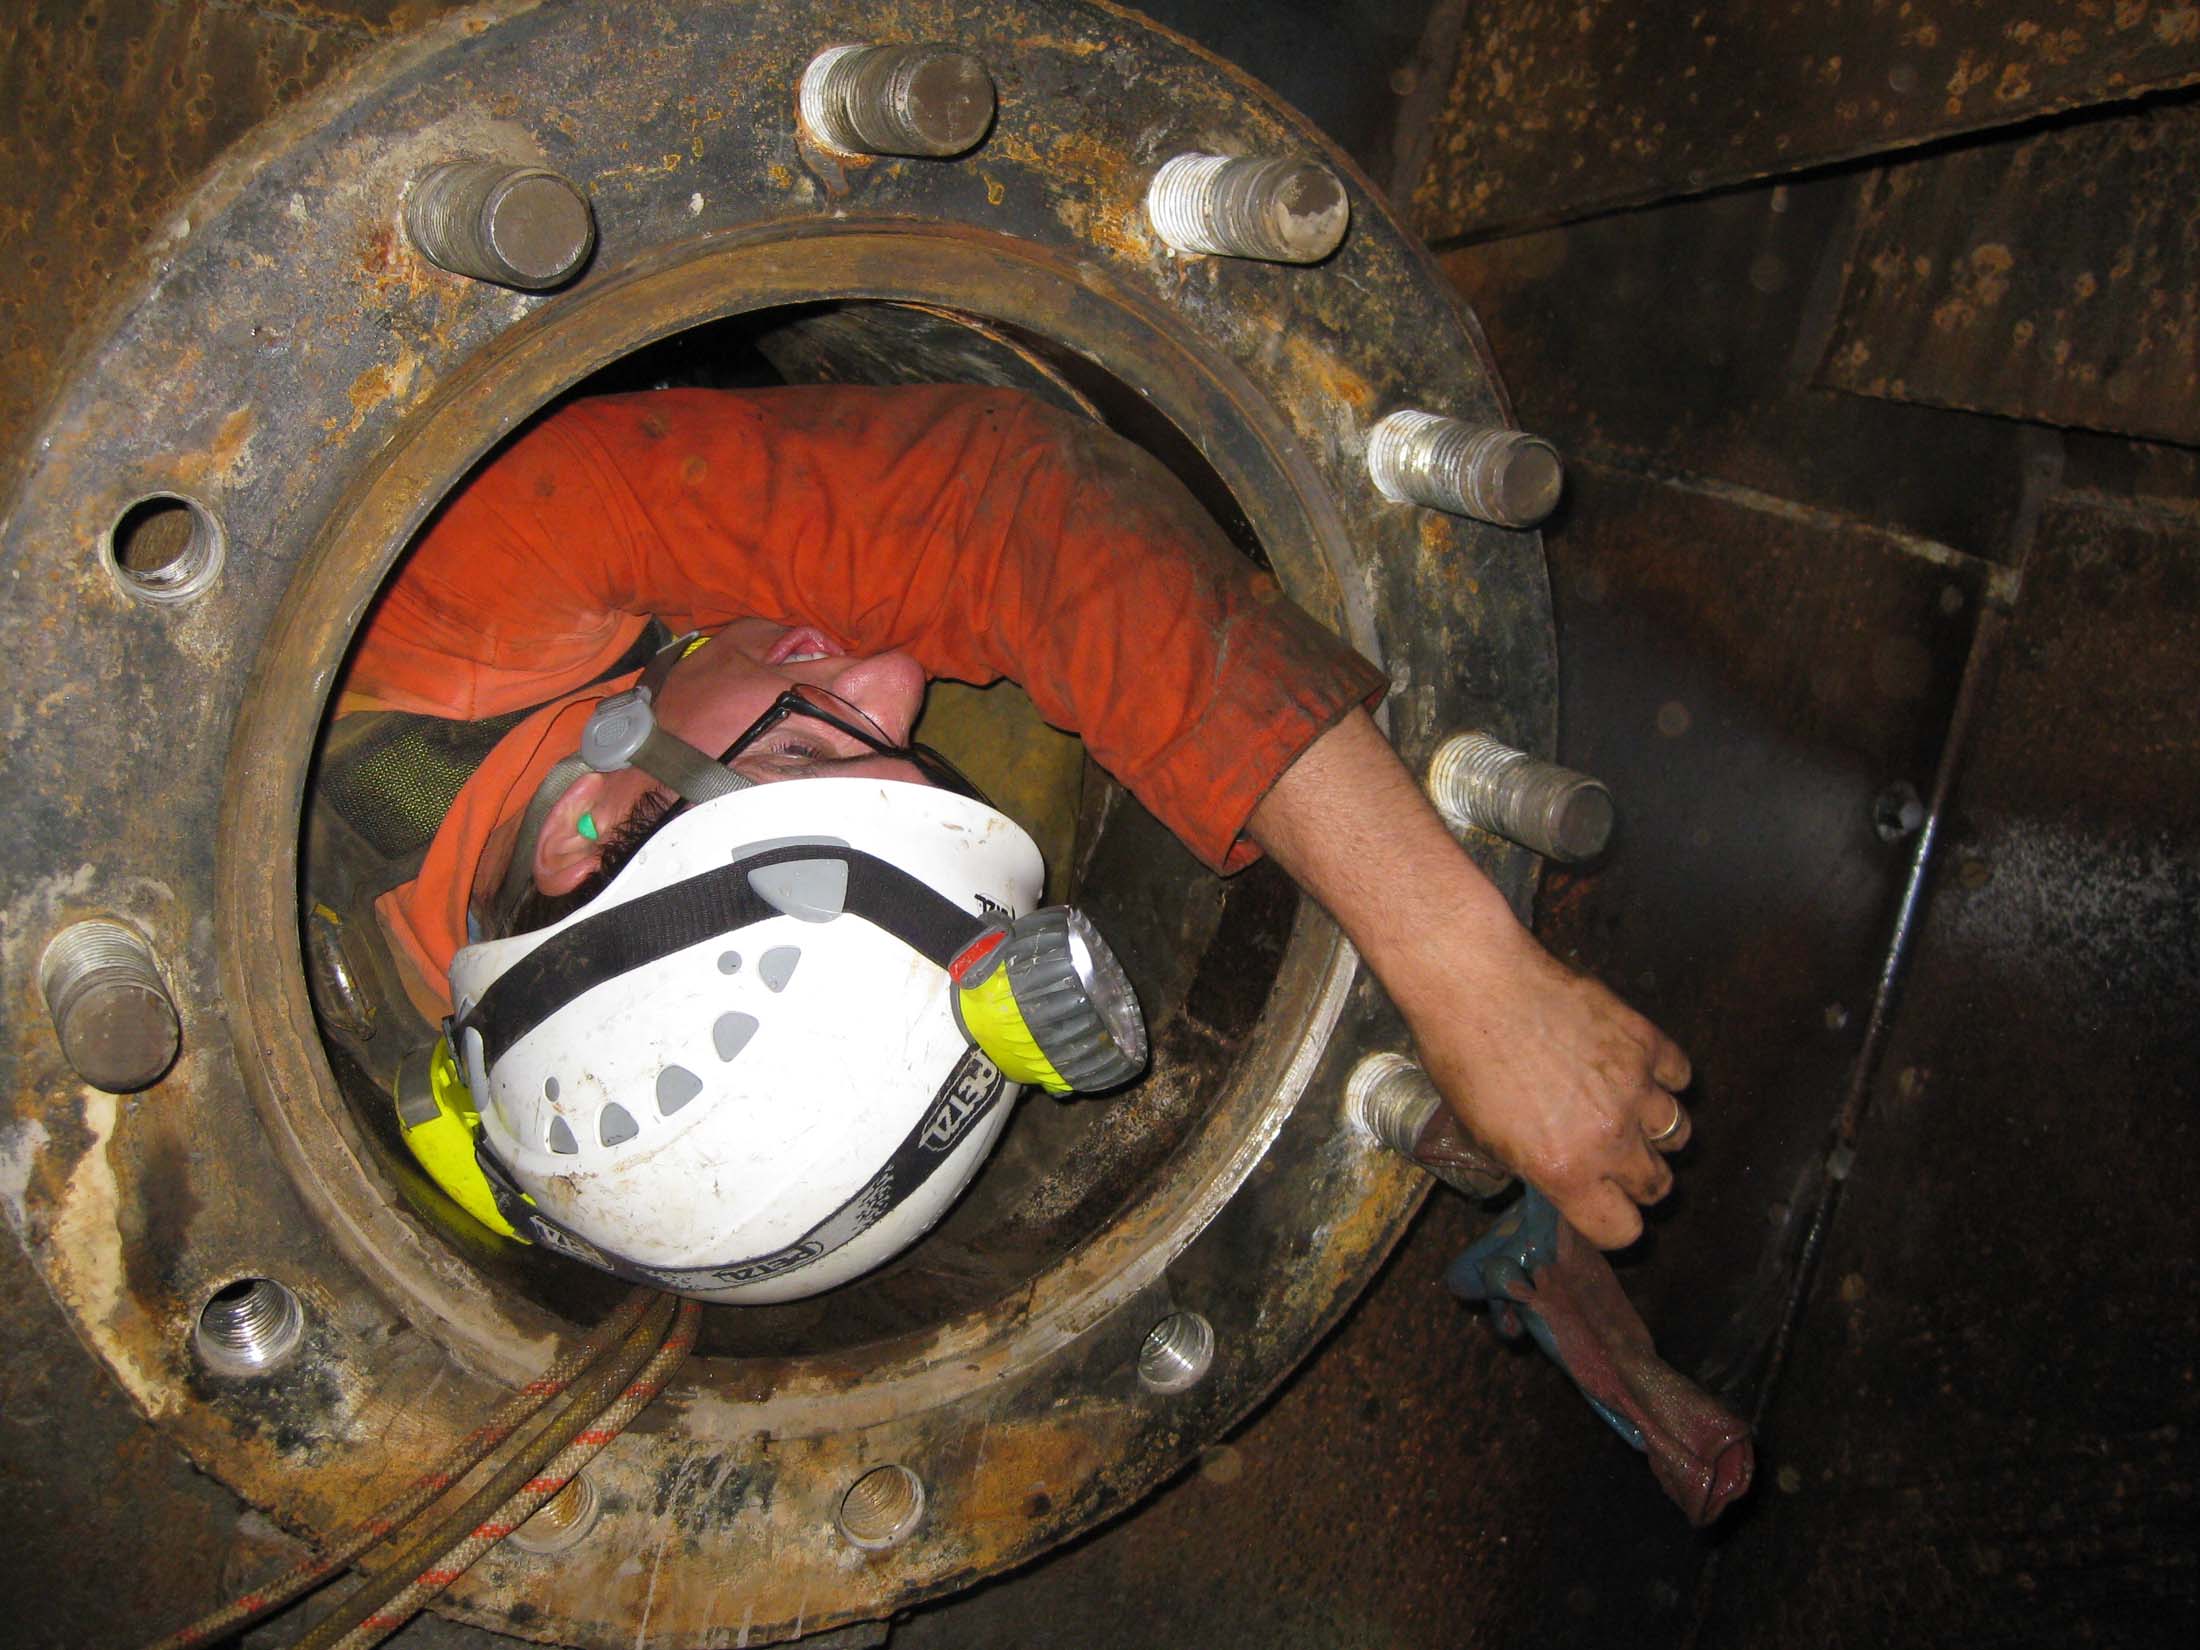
pixel 1644 1175
pixel 1604 1216
pixel 1669 1067
pixel 1666 1125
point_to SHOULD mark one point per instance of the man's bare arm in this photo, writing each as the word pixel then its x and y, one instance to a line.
pixel 1542 1064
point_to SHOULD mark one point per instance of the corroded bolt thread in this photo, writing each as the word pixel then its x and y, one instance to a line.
pixel 1477 782
pixel 561 1522
pixel 250 1327
pixel 116 1020
pixel 1177 1353
pixel 518 226
pixel 1392 1099
pixel 1281 211
pixel 1493 474
pixel 897 100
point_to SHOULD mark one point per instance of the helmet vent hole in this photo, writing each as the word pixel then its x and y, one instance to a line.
pixel 165 548
pixel 561 1139
pixel 776 967
pixel 1179 1351
pixel 615 1125
pixel 676 1086
pixel 249 1327
pixel 549 1088
pixel 882 1507
pixel 729 962
pixel 730 1034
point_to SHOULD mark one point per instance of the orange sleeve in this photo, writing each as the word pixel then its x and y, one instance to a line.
pixel 981 530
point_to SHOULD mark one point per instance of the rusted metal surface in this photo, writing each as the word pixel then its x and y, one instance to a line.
pixel 1361 1507
pixel 315 387
pixel 79 1460
pixel 2055 280
pixel 2005 1377
pixel 1684 340
pixel 1560 108
pixel 1353 67
pixel 108 114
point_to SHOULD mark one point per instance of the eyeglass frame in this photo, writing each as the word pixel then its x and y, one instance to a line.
pixel 795 701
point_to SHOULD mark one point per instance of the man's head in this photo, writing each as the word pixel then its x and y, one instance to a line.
pixel 713 696
pixel 743 1066
pixel 768 942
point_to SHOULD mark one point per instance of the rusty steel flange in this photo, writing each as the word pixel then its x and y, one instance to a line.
pixel 307 385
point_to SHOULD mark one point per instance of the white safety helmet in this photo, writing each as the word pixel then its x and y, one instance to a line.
pixel 770 1053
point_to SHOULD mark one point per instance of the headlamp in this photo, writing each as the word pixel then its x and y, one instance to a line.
pixel 441 1125
pixel 1048 1002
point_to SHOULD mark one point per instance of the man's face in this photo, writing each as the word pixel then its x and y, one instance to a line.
pixel 717 692
pixel 715 695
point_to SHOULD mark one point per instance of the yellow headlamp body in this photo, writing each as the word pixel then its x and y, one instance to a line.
pixel 995 1022
pixel 440 1124
pixel 1046 999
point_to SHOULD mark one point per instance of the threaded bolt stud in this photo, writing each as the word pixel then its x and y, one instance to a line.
pixel 1279 211
pixel 1505 477
pixel 516 226
pixel 1477 782
pixel 897 100
pixel 1392 1099
pixel 116 1020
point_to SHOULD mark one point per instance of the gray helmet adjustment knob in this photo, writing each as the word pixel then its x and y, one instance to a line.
pixel 617 730
pixel 623 733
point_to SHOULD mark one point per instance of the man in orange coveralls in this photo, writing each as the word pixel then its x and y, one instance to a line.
pixel 862 541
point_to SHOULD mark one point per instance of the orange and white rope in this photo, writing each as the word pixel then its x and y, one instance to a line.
pixel 554 1476
pixel 349 1543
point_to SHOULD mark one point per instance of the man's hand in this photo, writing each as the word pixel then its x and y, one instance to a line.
pixel 1567 1084
pixel 1560 1079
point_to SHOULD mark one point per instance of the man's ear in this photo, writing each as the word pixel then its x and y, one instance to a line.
pixel 563 857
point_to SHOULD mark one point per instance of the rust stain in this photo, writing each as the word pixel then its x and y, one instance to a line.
pixel 232 439
pixel 1769 89
pixel 2047 279
pixel 377 384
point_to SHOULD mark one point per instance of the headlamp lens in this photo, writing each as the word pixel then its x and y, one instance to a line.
pixel 1108 989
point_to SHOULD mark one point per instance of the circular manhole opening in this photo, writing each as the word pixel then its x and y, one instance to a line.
pixel 1201 952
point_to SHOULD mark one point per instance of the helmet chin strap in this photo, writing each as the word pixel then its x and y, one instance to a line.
pixel 622 733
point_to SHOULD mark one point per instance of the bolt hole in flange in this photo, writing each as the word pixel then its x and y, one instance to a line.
pixel 1177 1353
pixel 562 1522
pixel 251 1326
pixel 165 548
pixel 882 1508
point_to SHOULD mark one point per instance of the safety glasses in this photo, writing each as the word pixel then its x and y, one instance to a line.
pixel 783 743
